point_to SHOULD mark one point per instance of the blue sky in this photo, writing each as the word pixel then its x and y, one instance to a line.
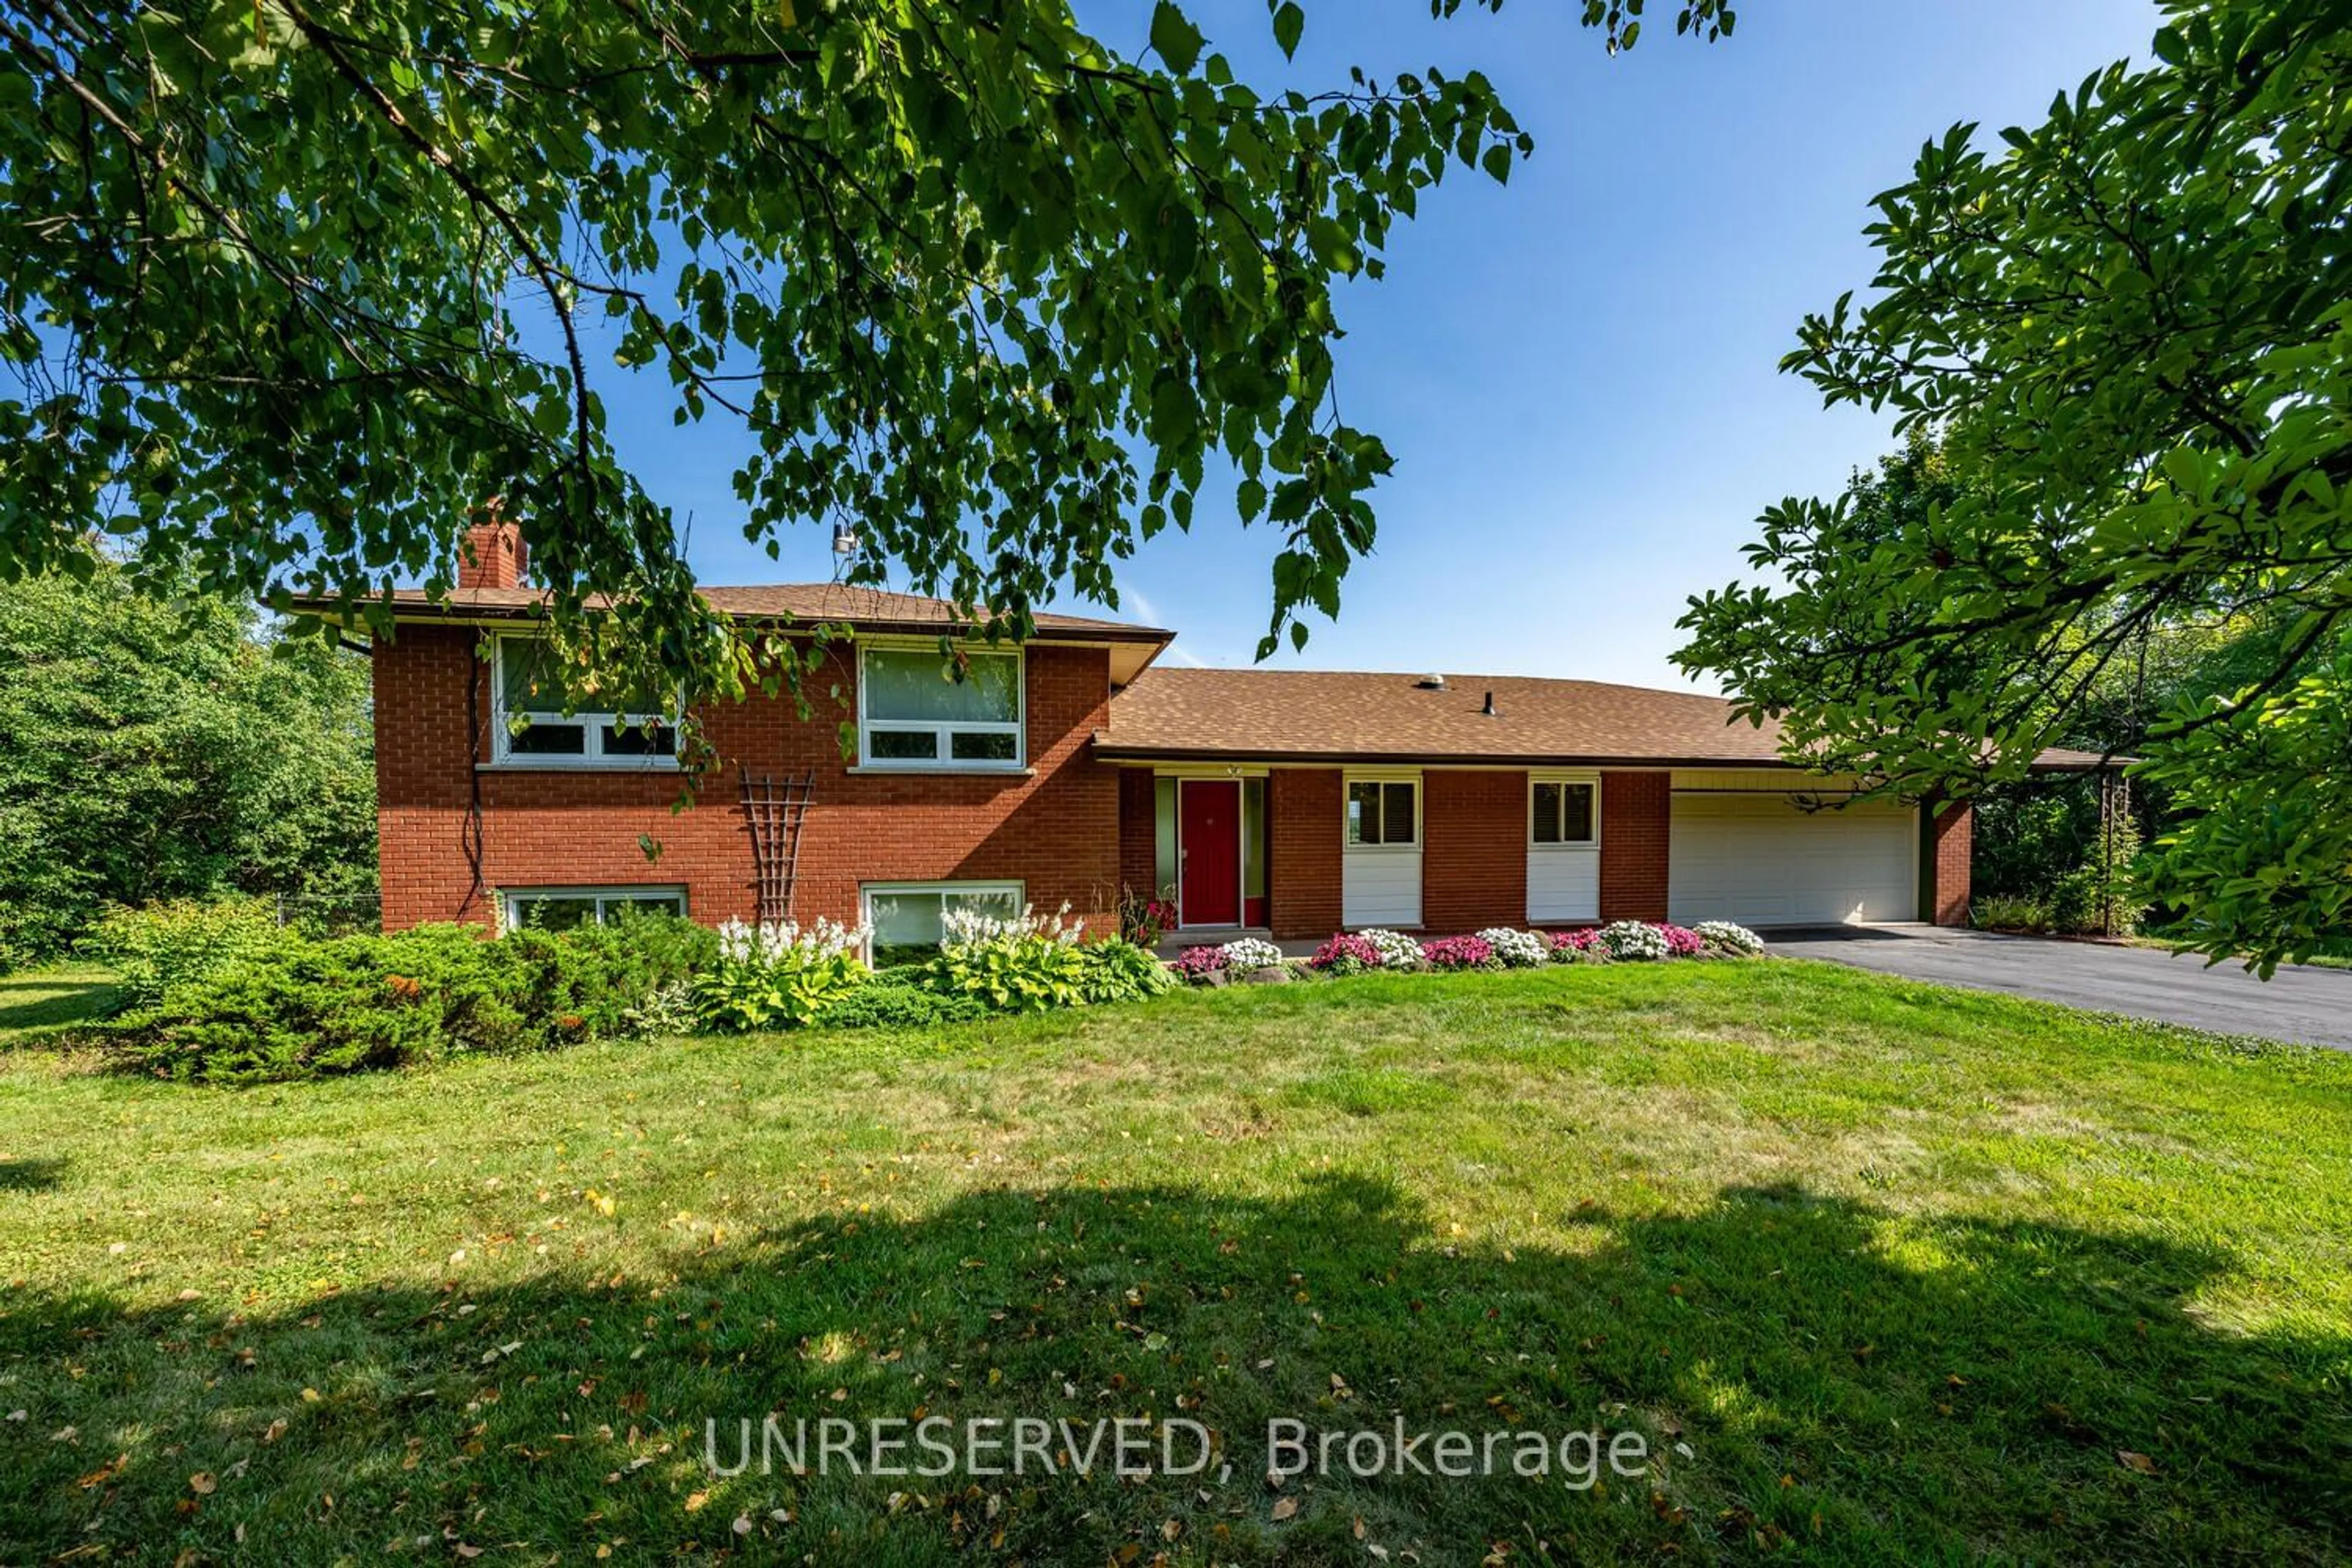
pixel 1575 374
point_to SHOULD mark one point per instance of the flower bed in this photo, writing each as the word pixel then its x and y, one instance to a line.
pixel 1504 947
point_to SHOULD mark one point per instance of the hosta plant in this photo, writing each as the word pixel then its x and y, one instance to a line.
pixel 1249 952
pixel 1515 949
pixel 1010 963
pixel 1017 974
pixel 779 974
pixel 1725 937
pixel 1397 949
pixel 1119 971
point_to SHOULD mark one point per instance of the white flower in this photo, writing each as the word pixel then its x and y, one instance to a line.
pixel 1633 939
pixel 1729 937
pixel 1251 953
pixel 1397 949
pixel 974 928
pixel 1517 949
pixel 774 942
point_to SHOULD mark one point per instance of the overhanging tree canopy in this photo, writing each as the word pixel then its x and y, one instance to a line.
pixel 2131 329
pixel 981 286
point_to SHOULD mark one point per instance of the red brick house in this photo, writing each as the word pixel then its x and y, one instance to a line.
pixel 1076 766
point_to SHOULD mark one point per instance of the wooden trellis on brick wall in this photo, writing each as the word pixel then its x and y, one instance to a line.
pixel 772 809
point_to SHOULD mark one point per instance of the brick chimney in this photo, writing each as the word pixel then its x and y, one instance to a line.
pixel 494 555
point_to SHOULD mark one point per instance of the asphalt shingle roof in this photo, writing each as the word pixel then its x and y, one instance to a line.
pixel 1332 715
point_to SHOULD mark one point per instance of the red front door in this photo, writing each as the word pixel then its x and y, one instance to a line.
pixel 1209 829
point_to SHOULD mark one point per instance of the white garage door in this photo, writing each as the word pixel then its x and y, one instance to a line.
pixel 1758 860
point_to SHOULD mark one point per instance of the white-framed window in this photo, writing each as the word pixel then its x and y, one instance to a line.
pixel 563 908
pixel 913 712
pixel 1383 812
pixel 906 916
pixel 1563 811
pixel 605 728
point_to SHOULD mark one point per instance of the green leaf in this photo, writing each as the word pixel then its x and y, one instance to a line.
pixel 1289 23
pixel 1174 37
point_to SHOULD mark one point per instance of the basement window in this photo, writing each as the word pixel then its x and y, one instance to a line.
pixel 567 908
pixel 906 916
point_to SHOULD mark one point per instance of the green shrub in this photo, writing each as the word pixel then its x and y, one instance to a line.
pixel 176 942
pixel 297 1009
pixel 2009 911
pixel 1120 971
pixel 1011 974
pixel 894 1002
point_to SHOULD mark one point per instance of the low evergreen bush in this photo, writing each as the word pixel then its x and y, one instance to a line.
pixel 896 1002
pixel 307 1009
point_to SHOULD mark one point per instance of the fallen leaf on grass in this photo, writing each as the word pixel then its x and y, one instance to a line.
pixel 1284 1507
pixel 202 1483
pixel 2139 1464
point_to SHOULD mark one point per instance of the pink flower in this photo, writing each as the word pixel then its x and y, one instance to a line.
pixel 1682 944
pixel 1199 963
pixel 1459 952
pixel 1347 952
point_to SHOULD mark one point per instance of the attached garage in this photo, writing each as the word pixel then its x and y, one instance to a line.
pixel 1761 859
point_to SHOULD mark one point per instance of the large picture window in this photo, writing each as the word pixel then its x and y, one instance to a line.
pixel 915 714
pixel 563 908
pixel 544 714
pixel 1383 811
pixel 1562 811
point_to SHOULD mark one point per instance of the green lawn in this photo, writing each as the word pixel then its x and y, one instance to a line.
pixel 1878 1270
pixel 38 998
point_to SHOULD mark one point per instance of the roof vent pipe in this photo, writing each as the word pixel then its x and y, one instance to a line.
pixel 1490 710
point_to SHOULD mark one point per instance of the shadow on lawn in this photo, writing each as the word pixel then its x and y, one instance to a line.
pixel 1843 1393
pixel 44 1000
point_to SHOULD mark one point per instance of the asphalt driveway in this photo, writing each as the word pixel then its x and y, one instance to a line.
pixel 2310 1006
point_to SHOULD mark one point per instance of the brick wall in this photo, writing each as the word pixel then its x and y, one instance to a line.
pixel 1138 852
pixel 1056 830
pixel 1302 867
pixel 1474 864
pixel 1635 826
pixel 1951 843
